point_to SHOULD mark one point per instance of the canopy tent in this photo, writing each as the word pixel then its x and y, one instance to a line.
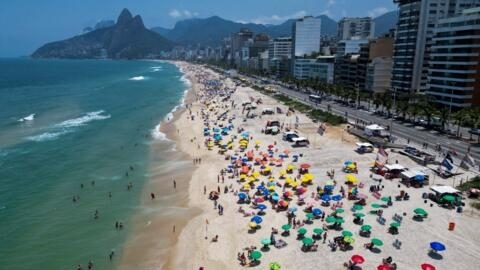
pixel 440 190
pixel 394 167
pixel 373 129
pixel 412 174
pixel 364 144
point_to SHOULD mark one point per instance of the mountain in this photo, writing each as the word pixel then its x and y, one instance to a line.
pixel 210 31
pixel 385 22
pixel 104 24
pixel 128 38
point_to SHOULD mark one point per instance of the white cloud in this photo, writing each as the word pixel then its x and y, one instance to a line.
pixel 276 19
pixel 175 13
pixel 377 11
pixel 330 3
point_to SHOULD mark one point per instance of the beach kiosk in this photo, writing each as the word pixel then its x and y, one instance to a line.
pixel 414 178
pixel 446 196
pixel 374 130
pixel 392 171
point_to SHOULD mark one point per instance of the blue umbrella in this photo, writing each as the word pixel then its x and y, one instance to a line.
pixel 347 162
pixel 419 177
pixel 216 130
pixel 257 219
pixel 326 198
pixel 316 212
pixel 242 196
pixel 292 209
pixel 245 134
pixel 262 206
pixel 337 198
pixel 244 159
pixel 275 197
pixel 266 193
pixel 437 246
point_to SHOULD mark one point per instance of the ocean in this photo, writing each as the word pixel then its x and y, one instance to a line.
pixel 76 139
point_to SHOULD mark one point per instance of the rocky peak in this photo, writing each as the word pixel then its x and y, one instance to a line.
pixel 137 22
pixel 125 17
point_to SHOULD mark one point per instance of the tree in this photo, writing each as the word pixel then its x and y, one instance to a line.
pixel 444 115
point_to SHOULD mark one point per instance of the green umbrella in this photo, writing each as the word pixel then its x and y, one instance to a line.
pixel 358 214
pixel 385 199
pixel 357 207
pixel 349 239
pixel 286 227
pixel 307 241
pixel 420 211
pixel 330 219
pixel 339 220
pixel 302 230
pixel 255 255
pixel 318 230
pixel 449 198
pixel 395 224
pixel 347 233
pixel 310 216
pixel 377 242
pixel 376 205
pixel 366 227
pixel 340 210
pixel 266 241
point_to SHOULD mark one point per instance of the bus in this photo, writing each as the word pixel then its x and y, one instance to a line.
pixel 315 98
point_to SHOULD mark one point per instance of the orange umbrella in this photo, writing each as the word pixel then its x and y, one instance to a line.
pixel 305 165
pixel 245 169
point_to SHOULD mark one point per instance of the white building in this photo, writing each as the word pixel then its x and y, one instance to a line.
pixel 357 28
pixel 352 46
pixel 306 36
pixel 322 68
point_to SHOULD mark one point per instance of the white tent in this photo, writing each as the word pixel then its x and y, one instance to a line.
pixel 374 128
pixel 364 144
pixel 444 189
pixel 394 167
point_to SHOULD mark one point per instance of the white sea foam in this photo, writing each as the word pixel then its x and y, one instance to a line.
pixel 158 135
pixel 138 78
pixel 186 81
pixel 156 68
pixel 27 118
pixel 90 116
pixel 47 136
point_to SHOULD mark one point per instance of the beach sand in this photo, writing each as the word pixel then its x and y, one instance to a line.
pixel 194 247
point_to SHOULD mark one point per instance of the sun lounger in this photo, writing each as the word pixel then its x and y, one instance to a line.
pixel 377 195
pixel 381 220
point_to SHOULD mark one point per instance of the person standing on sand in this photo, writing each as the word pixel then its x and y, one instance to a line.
pixel 174 184
pixel 204 190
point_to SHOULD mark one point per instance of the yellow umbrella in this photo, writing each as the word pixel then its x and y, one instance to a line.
pixel 267 169
pixel 290 167
pixel 271 188
pixel 246 186
pixel 283 172
pixel 351 166
pixel 257 142
pixel 351 178
pixel 308 176
pixel 251 179
pixel 256 174
pixel 294 184
pixel 252 224
pixel 243 176
pixel 289 180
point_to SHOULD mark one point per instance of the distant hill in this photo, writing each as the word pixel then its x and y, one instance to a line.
pixel 385 22
pixel 210 31
pixel 104 24
pixel 128 38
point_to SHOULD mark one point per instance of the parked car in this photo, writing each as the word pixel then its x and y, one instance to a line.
pixel 289 136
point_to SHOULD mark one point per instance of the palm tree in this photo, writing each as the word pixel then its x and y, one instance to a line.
pixel 444 115
pixel 414 110
pixel 460 118
pixel 402 107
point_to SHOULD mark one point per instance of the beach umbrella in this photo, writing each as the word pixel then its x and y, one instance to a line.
pixel 339 210
pixel 351 166
pixel 357 259
pixel 349 239
pixel 288 194
pixel 437 246
pixel 395 224
pixel 385 199
pixel 307 241
pixel 347 233
pixel 317 211
pixel 275 266
pixel 326 198
pixel 359 214
pixel 318 230
pixel 383 267
pixel 337 197
pixel 329 183
pixel 261 206
pixel 255 255
pixel 427 266
pixel 257 219
pixel 420 211
pixel 376 205
pixel 339 220
pixel 286 227
pixel 242 196
pixel 357 207
pixel 305 165
pixel 366 227
pixel 302 230
pixel 290 167
pixel 448 198
pixel 246 186
pixel 266 241
pixel 351 177
pixel 310 216
pixel 282 172
pixel 330 219
pixel 292 209
pixel 252 224
pixel 259 200
pixel 377 242
pixel 275 196
pixel 347 162
pixel 283 203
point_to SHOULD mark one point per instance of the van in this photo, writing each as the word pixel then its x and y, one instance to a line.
pixel 300 142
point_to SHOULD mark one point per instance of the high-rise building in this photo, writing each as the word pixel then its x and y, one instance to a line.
pixel 416 22
pixel 454 64
pixel 358 28
pixel 279 55
pixel 238 42
pixel 306 37
pixel 321 68
pixel 352 46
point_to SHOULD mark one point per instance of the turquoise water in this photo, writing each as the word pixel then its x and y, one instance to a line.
pixel 64 123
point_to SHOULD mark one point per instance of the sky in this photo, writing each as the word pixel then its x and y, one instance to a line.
pixel 28 24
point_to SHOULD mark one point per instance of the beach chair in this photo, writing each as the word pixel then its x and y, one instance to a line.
pixel 397 243
pixel 376 194
pixel 381 220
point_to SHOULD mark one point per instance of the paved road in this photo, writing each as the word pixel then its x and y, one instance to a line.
pixel 416 134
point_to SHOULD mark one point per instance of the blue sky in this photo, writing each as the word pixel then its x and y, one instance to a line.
pixel 27 24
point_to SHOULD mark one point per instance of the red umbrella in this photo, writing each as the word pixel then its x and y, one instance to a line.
pixel 383 267
pixel 357 259
pixel 259 199
pixel 427 266
pixel 270 146
pixel 305 166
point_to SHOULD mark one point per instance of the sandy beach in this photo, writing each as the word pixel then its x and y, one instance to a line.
pixel 194 247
